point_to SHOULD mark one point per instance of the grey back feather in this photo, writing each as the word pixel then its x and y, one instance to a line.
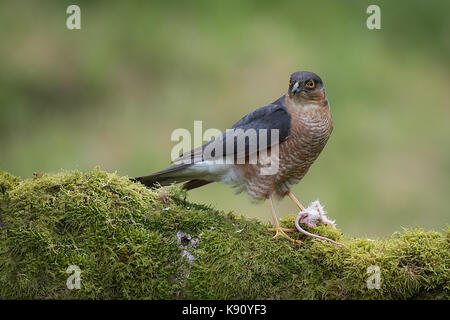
pixel 268 117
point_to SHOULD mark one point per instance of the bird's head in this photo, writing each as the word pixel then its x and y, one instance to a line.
pixel 306 88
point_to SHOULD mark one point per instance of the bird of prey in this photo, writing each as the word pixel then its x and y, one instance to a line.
pixel 299 122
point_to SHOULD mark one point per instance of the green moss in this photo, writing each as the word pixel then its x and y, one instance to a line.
pixel 132 242
pixel 7 182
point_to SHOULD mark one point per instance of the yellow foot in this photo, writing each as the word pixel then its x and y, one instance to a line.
pixel 282 232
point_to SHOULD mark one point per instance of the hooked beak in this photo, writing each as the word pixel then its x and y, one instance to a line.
pixel 295 88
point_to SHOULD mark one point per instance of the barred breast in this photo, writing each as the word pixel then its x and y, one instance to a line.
pixel 311 129
pixel 311 126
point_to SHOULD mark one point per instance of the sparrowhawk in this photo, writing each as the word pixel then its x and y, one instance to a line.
pixel 303 124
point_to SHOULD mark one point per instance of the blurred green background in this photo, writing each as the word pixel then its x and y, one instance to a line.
pixel 111 94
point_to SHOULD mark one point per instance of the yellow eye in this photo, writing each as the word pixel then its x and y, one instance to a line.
pixel 310 84
pixel 290 82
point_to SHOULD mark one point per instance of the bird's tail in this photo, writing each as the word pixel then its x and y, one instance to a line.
pixel 164 177
pixel 173 174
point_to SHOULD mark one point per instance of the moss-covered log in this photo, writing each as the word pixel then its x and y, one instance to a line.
pixel 132 242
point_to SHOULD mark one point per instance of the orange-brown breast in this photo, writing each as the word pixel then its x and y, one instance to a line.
pixel 311 127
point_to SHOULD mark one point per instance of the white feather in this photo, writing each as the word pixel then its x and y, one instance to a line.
pixel 213 171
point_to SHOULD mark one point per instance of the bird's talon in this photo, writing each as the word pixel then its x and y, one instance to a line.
pixel 279 231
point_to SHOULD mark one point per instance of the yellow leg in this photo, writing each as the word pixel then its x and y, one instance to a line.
pixel 279 231
pixel 293 198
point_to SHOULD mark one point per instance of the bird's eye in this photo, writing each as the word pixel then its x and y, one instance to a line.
pixel 290 82
pixel 310 84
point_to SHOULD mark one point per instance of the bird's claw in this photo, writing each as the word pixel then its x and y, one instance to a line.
pixel 279 231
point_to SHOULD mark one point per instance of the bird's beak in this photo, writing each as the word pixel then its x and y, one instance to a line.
pixel 295 88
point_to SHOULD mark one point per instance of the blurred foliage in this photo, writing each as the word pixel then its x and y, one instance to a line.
pixel 113 92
